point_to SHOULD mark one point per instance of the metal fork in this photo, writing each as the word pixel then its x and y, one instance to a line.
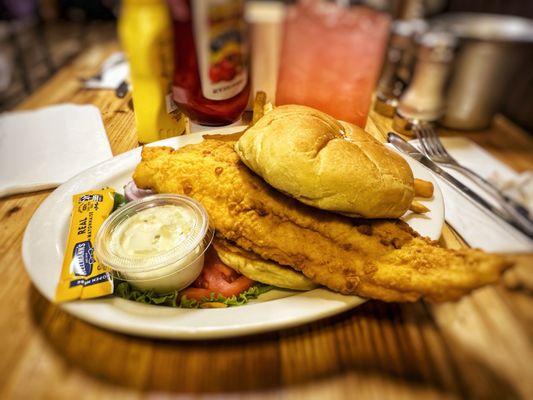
pixel 433 148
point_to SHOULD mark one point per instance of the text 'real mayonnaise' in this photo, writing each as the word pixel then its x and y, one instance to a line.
pixel 156 243
pixel 82 276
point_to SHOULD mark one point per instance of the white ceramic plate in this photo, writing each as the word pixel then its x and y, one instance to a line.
pixel 45 239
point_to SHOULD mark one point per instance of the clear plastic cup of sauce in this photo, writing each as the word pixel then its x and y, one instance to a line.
pixel 156 243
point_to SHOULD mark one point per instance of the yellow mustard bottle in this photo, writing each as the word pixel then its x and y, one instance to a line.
pixel 145 33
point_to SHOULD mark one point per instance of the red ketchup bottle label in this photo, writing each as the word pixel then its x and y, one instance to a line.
pixel 211 82
pixel 221 48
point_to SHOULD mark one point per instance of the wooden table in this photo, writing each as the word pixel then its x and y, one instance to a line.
pixel 478 347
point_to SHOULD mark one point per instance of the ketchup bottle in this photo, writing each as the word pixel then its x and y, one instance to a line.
pixel 211 75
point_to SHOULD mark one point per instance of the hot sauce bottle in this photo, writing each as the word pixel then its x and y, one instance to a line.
pixel 211 75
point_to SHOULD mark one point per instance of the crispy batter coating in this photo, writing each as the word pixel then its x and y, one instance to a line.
pixel 379 259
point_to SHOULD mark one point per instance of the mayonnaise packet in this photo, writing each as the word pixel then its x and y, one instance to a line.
pixel 82 276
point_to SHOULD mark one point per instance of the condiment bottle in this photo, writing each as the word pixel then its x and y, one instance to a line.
pixel 424 100
pixel 211 77
pixel 399 64
pixel 145 32
pixel 410 9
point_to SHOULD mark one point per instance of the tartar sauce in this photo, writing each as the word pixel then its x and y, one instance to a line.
pixel 156 243
pixel 152 231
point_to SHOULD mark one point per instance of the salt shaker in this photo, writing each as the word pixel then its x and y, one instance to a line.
pixel 424 100
pixel 399 64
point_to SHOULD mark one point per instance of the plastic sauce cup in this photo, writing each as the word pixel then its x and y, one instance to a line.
pixel 172 266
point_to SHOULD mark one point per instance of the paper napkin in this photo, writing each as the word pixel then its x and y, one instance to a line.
pixel 42 149
pixel 479 229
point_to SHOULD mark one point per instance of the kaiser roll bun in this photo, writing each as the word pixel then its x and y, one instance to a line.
pixel 327 164
pixel 265 271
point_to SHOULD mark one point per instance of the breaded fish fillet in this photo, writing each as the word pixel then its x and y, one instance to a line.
pixel 379 259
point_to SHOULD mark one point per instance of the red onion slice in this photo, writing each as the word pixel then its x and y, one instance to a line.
pixel 132 192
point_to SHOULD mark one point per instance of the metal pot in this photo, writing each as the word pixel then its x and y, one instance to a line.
pixel 491 49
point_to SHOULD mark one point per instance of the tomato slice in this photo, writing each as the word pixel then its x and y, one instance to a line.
pixel 229 273
pixel 217 278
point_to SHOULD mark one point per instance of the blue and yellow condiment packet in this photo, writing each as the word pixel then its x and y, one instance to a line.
pixel 82 276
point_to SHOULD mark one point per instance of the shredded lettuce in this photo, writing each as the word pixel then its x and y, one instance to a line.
pixel 173 299
pixel 119 200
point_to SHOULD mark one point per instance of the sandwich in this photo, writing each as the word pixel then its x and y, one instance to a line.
pixel 260 228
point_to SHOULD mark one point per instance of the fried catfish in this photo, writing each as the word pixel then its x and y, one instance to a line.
pixel 378 259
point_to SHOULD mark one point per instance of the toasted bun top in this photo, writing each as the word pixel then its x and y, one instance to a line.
pixel 327 164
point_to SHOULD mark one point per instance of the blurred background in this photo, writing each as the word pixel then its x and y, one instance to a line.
pixel 37 37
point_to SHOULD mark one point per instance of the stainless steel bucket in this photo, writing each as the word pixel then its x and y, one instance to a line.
pixel 491 49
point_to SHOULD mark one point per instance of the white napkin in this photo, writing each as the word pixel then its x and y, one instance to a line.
pixel 42 149
pixel 519 187
pixel 479 229
pixel 115 69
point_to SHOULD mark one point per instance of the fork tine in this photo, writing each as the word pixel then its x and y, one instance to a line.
pixel 428 145
pixel 432 145
pixel 432 138
pixel 440 147
pixel 422 139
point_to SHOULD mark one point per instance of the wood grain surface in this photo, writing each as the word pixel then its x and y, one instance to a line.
pixel 479 347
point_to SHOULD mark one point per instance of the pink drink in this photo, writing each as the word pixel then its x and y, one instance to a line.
pixel 331 58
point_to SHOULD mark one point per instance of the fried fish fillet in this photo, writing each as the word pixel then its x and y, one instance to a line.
pixel 379 259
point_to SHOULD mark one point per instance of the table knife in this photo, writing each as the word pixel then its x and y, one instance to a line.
pixel 408 149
